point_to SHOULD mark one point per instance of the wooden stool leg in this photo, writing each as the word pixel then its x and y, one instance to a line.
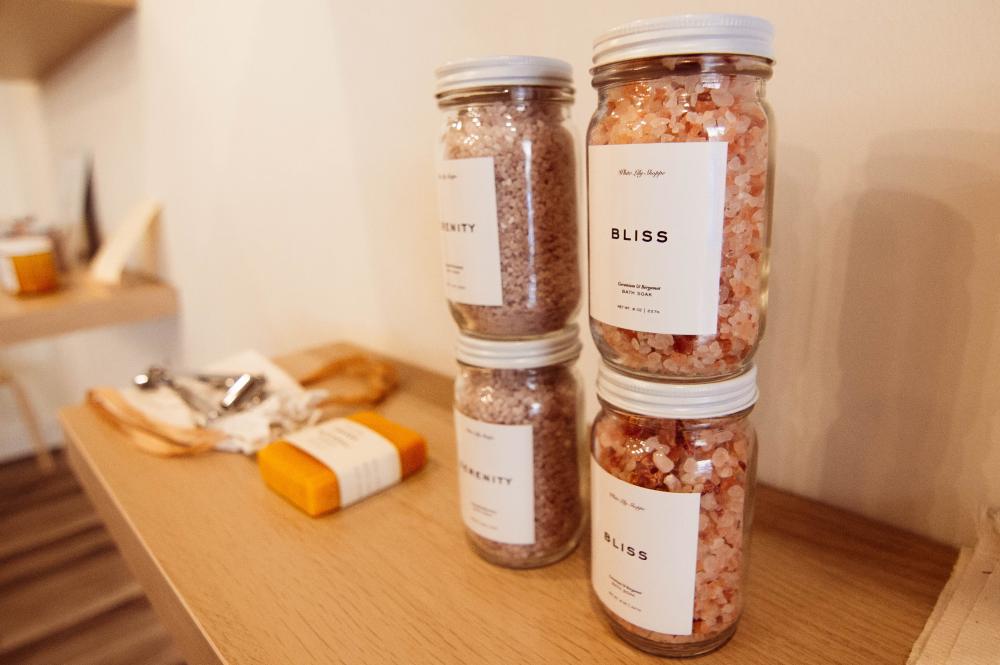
pixel 42 454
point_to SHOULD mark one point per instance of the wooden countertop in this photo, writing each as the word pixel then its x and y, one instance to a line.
pixel 240 576
pixel 81 304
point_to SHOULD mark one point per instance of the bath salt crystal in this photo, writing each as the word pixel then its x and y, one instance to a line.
pixel 716 531
pixel 518 430
pixel 707 457
pixel 516 272
pixel 681 255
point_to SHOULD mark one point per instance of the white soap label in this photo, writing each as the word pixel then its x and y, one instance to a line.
pixel 8 275
pixel 644 549
pixel 496 479
pixel 656 213
pixel 467 205
pixel 365 462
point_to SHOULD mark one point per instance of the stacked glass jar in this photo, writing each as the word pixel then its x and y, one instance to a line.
pixel 679 184
pixel 508 215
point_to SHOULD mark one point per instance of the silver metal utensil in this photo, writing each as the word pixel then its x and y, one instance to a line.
pixel 157 376
pixel 219 381
pixel 247 390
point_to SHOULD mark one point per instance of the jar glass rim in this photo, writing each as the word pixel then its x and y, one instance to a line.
pixel 527 92
pixel 552 349
pixel 660 66
pixel 647 397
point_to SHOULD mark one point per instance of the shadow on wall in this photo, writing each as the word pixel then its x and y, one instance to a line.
pixel 914 337
pixel 791 319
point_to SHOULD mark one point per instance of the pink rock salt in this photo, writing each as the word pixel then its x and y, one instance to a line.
pixel 717 459
pixel 525 133
pixel 699 98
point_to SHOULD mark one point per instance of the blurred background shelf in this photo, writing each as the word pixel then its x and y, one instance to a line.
pixel 36 36
pixel 81 305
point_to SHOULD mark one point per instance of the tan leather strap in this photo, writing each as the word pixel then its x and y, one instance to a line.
pixel 151 435
pixel 378 376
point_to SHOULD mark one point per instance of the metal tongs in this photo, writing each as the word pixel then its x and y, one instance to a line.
pixel 241 391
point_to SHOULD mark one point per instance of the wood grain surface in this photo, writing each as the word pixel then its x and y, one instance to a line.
pixel 81 304
pixel 240 576
pixel 66 597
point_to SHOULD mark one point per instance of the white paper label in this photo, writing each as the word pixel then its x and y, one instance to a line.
pixel 467 204
pixel 365 462
pixel 644 549
pixel 496 479
pixel 8 275
pixel 656 213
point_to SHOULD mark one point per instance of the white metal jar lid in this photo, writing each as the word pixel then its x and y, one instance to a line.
pixel 686 34
pixel 503 70
pixel 551 349
pixel 677 400
pixel 25 245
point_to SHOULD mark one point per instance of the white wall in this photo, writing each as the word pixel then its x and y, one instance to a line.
pixel 291 144
pixel 97 111
pixel 23 151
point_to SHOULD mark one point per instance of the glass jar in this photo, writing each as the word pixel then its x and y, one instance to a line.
pixel 518 425
pixel 680 187
pixel 507 195
pixel 28 265
pixel 673 470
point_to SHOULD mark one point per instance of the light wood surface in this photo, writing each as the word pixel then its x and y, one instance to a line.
pixel 240 576
pixel 81 304
pixel 36 36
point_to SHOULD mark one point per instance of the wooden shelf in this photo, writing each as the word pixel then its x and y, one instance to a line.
pixel 240 576
pixel 36 36
pixel 81 305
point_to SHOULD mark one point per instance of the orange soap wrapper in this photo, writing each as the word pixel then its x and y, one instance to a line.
pixel 341 461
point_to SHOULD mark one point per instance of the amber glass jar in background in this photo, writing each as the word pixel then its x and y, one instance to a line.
pixel 28 265
pixel 673 470
pixel 507 195
pixel 679 184
pixel 518 426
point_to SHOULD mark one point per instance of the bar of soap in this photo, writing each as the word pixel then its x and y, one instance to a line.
pixel 348 459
